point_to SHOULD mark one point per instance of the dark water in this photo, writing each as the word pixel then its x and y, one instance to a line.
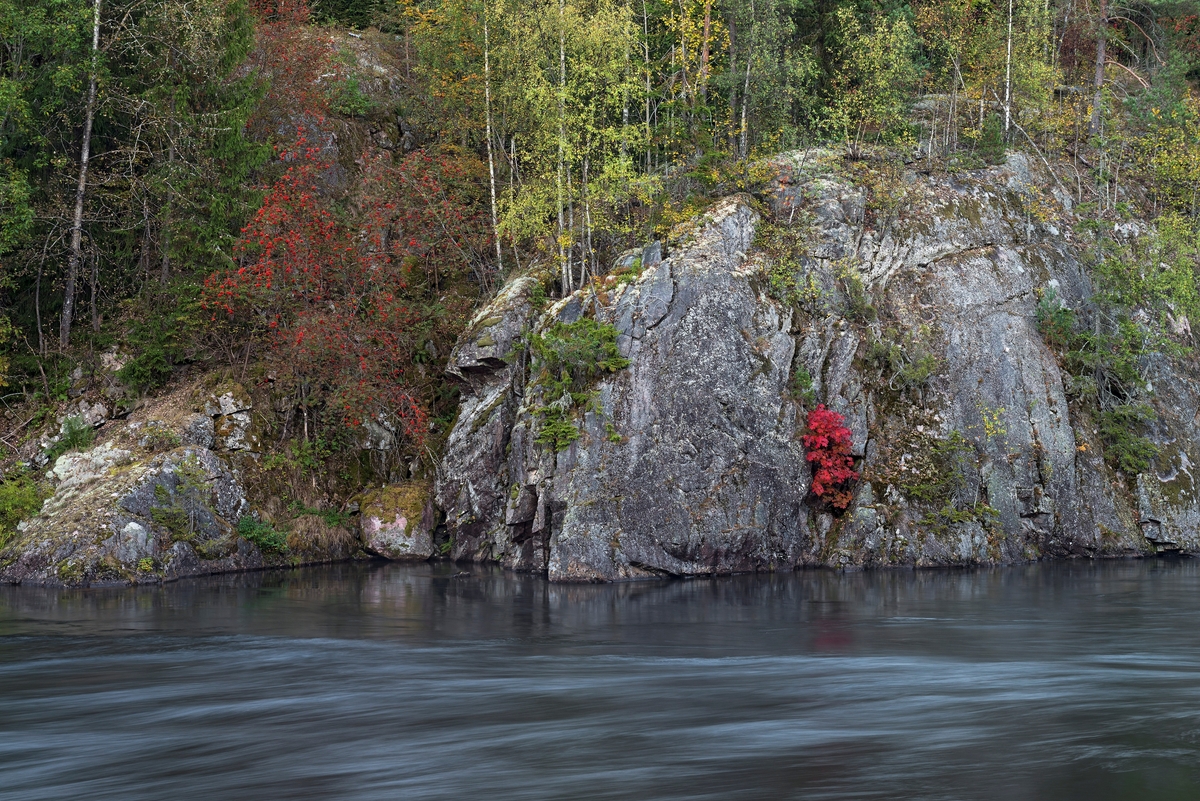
pixel 387 682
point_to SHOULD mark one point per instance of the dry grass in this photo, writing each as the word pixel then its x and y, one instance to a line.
pixel 308 532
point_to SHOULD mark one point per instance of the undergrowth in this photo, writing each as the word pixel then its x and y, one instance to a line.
pixel 264 535
pixel 76 435
pixel 931 473
pixel 568 360
pixel 802 387
pixel 903 361
pixel 943 487
pixel 1101 361
pixel 20 498
pixel 331 517
pixel 789 281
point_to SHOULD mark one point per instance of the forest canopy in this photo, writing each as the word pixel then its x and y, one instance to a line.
pixel 223 182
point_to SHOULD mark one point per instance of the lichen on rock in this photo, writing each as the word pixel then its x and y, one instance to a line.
pixel 160 498
pixel 115 519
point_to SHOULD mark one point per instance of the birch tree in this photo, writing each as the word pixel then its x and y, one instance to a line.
pixel 75 257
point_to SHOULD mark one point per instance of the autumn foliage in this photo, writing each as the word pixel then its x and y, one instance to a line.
pixel 349 295
pixel 350 304
pixel 290 57
pixel 828 444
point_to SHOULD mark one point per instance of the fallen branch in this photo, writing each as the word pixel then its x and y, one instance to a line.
pixel 1139 78
pixel 17 430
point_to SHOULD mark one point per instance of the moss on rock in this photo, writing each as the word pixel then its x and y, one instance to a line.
pixel 398 521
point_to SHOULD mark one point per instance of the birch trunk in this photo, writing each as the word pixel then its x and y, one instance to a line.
pixel 487 103
pixel 562 135
pixel 1098 98
pixel 76 254
pixel 1008 72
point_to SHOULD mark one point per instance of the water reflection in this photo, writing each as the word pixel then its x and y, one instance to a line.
pixel 382 681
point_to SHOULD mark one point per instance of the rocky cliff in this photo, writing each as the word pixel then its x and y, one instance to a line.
pixel 911 309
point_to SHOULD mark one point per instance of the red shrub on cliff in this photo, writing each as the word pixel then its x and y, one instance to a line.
pixel 828 444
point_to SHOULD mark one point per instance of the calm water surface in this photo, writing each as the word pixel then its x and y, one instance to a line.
pixel 1065 681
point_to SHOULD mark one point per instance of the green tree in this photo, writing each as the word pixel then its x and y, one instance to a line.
pixel 873 78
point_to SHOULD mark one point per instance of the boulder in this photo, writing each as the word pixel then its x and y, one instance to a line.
pixel 199 430
pixel 398 521
pixel 229 398
pixel 230 409
pixel 91 414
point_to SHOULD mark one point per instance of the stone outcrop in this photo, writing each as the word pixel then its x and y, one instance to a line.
pixel 159 498
pixel 917 320
pixel 229 407
pixel 114 518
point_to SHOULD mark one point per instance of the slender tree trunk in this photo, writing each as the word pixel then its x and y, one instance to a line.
pixel 144 256
pixel 731 25
pixel 487 103
pixel 683 67
pixel 95 290
pixel 932 132
pixel 626 82
pixel 959 83
pixel 1008 72
pixel 165 268
pixel 682 92
pixel 702 79
pixel 743 151
pixel 562 136
pixel 1098 97
pixel 646 69
pixel 37 309
pixel 76 255
pixel 37 301
pixel 590 258
pixel 570 230
pixel 512 190
pixel 745 123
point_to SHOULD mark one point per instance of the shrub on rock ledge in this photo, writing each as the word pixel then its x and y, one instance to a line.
pixel 827 442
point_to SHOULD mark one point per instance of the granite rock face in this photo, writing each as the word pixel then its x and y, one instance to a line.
pixel 916 321
pixel 473 482
pixel 159 499
pixel 115 519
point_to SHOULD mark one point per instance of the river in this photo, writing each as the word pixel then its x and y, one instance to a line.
pixel 434 681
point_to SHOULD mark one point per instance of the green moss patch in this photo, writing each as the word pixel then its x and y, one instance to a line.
pixel 569 358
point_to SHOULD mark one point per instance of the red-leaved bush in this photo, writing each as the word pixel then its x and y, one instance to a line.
pixel 293 62
pixel 348 301
pixel 828 444
pixel 352 294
